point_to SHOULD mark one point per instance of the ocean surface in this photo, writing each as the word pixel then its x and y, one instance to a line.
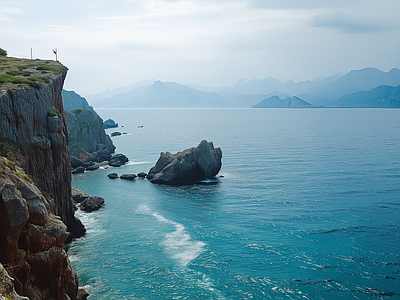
pixel 308 208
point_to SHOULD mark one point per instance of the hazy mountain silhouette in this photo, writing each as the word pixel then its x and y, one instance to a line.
pixel 381 96
pixel 277 102
pixel 163 95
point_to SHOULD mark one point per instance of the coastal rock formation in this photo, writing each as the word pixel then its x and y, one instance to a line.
pixel 113 176
pixel 73 101
pixel 87 138
pixel 34 119
pixel 7 286
pixel 36 211
pixel 92 203
pixel 128 176
pixel 110 124
pixel 188 166
pixel 118 160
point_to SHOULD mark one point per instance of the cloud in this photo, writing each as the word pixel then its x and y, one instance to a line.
pixel 347 24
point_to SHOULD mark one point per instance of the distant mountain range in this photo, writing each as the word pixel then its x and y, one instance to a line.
pixel 332 91
pixel 276 102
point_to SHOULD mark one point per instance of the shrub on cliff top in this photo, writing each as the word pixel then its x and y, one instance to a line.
pixel 3 52
pixel 54 113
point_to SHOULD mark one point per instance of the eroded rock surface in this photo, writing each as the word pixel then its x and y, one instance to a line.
pixel 188 166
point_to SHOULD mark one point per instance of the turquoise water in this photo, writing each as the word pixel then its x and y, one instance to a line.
pixel 308 208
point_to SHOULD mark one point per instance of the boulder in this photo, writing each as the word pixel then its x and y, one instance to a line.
pixel 78 170
pixel 110 124
pixel 78 196
pixel 128 176
pixel 118 160
pixel 76 162
pixel 142 175
pixel 188 166
pixel 113 176
pixel 93 167
pixel 116 133
pixel 92 203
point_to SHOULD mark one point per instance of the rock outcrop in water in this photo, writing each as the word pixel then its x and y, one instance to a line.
pixel 188 166
pixel 35 219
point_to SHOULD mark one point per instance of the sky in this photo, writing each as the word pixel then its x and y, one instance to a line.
pixel 108 44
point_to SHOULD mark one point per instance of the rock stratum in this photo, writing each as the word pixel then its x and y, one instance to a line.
pixel 36 211
pixel 191 165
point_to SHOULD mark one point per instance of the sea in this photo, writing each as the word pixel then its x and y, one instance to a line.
pixel 306 206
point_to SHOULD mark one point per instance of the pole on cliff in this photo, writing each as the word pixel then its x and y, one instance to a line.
pixel 55 52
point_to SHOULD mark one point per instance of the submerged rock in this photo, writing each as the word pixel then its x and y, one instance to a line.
pixel 142 175
pixel 116 133
pixel 188 166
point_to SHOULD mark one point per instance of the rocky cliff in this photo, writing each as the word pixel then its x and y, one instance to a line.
pixel 87 139
pixel 35 182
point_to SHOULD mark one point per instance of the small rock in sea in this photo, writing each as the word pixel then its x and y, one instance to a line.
pixel 142 175
pixel 118 160
pixel 116 133
pixel 113 176
pixel 110 124
pixel 82 294
pixel 78 196
pixel 128 176
pixel 78 170
pixel 93 167
pixel 92 203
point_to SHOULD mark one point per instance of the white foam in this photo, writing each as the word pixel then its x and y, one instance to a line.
pixel 179 244
pixel 137 163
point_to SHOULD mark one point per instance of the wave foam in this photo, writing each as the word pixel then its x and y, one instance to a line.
pixel 179 244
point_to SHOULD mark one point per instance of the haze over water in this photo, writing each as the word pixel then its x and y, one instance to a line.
pixel 308 208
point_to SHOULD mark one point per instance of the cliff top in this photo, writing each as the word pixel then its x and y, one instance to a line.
pixel 18 73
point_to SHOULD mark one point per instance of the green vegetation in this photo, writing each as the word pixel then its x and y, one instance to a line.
pixel 3 52
pixel 54 113
pixel 77 111
pixel 18 73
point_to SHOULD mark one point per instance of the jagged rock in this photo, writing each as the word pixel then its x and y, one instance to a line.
pixel 13 216
pixel 36 203
pixel 76 162
pixel 7 290
pixel 93 167
pixel 92 203
pixel 142 175
pixel 78 196
pixel 128 176
pixel 52 268
pixel 42 238
pixel 110 124
pixel 188 166
pixel 118 160
pixel 78 170
pixel 82 294
pixel 116 133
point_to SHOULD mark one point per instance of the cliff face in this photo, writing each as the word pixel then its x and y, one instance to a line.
pixel 36 211
pixel 35 120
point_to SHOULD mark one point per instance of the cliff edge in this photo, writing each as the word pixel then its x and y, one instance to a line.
pixel 35 183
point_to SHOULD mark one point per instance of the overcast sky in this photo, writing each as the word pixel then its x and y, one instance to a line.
pixel 107 44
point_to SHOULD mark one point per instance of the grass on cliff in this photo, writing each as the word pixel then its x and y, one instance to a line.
pixel 20 73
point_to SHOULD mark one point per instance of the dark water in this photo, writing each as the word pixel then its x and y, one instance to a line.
pixel 308 208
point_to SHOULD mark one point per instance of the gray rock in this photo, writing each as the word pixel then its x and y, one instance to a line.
pixel 128 176
pixel 76 162
pixel 110 124
pixel 118 160
pixel 92 203
pixel 78 170
pixel 78 196
pixel 113 176
pixel 188 166
pixel 142 175
pixel 116 133
pixel 93 167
